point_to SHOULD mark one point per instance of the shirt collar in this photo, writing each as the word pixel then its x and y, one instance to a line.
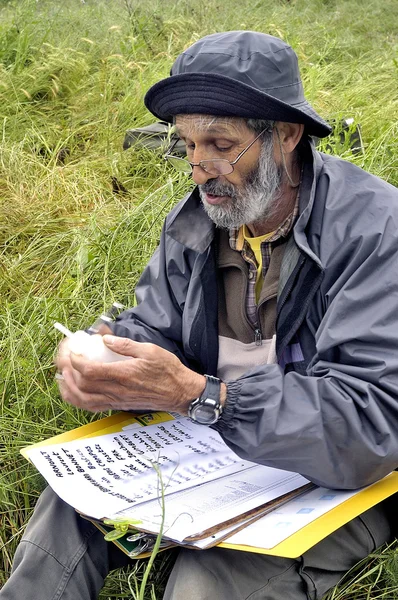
pixel 237 240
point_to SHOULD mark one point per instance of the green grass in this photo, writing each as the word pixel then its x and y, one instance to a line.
pixel 72 79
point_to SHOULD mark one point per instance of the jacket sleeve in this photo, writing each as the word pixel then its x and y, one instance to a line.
pixel 160 296
pixel 338 424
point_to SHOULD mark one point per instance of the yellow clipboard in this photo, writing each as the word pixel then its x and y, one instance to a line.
pixel 291 547
pixel 301 541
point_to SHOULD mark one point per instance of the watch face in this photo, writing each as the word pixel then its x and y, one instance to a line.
pixel 205 414
pixel 206 409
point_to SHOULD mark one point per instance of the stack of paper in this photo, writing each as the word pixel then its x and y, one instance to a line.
pixel 124 473
pixel 180 478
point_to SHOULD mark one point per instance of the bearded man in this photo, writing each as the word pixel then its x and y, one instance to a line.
pixel 268 312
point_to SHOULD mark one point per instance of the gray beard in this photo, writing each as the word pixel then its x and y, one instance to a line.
pixel 253 202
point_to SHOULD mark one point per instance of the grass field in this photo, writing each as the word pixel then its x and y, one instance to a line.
pixel 79 216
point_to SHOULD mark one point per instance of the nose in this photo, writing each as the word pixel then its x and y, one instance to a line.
pixel 200 176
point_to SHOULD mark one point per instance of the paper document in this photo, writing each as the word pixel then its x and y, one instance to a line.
pixel 271 529
pixel 102 475
pixel 107 473
pixel 107 468
pixel 197 510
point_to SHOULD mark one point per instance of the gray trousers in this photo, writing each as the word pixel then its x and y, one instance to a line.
pixel 64 557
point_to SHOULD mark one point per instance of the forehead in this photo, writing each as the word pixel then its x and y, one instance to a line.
pixel 197 124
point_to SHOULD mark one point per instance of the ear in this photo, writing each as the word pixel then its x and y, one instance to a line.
pixel 289 135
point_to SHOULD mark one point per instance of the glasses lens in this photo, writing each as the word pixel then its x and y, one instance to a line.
pixel 180 164
pixel 217 166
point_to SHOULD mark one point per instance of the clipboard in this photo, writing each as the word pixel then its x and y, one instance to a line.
pixel 304 539
pixel 307 537
pixel 249 517
pixel 131 548
pixel 291 547
pixel 122 421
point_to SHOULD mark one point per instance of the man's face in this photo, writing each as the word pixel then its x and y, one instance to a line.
pixel 247 195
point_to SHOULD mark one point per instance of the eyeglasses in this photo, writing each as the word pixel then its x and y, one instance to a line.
pixel 213 166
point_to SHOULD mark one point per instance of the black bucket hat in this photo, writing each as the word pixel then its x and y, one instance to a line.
pixel 236 74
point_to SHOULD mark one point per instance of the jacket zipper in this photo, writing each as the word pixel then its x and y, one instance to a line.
pixel 258 335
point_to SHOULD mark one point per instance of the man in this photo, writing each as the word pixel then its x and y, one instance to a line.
pixel 270 315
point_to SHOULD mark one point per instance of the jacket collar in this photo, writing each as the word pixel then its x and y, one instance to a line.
pixel 189 224
pixel 313 165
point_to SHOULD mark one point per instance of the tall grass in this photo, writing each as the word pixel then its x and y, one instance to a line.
pixel 79 217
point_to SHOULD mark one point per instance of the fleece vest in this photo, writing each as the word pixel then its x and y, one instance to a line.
pixel 243 345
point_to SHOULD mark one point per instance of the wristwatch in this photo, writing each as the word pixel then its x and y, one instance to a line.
pixel 207 409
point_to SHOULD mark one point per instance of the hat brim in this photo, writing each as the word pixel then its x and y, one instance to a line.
pixel 219 95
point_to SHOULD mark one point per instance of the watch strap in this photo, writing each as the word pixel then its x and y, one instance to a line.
pixel 212 389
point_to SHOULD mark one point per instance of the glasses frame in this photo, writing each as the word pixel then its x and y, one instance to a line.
pixel 202 163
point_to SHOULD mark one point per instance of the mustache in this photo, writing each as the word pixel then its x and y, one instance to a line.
pixel 216 188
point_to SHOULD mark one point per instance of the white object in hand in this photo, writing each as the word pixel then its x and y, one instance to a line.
pixel 89 346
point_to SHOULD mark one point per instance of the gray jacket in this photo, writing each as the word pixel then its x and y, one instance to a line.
pixel 329 409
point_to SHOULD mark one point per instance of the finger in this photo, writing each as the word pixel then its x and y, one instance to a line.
pixel 111 387
pixel 64 388
pixel 91 368
pixel 62 359
pixel 128 347
pixel 122 345
pixel 94 371
pixel 71 393
pixel 109 379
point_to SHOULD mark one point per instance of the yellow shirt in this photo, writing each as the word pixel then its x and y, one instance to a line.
pixel 255 245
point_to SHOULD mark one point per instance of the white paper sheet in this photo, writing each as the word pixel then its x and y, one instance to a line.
pixel 192 511
pixel 277 526
pixel 102 475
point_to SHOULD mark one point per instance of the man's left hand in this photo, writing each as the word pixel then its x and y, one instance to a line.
pixel 153 379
